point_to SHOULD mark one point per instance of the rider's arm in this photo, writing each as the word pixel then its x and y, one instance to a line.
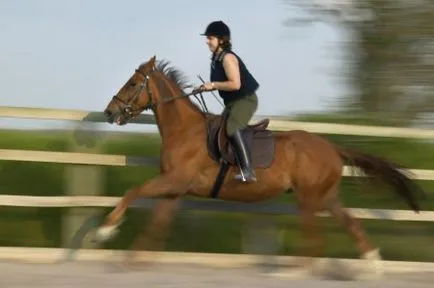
pixel 230 64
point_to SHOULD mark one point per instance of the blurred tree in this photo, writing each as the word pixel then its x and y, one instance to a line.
pixel 391 53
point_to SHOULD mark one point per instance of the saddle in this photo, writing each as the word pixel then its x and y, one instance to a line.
pixel 259 141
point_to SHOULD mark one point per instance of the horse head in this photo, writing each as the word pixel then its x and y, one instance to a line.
pixel 134 97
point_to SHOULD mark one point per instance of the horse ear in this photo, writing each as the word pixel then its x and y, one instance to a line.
pixel 152 60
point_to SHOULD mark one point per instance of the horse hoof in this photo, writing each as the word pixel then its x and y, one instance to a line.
pixel 105 233
pixel 373 268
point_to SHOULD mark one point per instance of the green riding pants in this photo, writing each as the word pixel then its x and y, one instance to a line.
pixel 240 113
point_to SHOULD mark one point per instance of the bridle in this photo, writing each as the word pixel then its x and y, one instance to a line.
pixel 131 110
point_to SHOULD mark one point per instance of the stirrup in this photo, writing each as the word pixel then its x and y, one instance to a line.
pixel 241 176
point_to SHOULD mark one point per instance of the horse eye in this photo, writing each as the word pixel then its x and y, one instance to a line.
pixel 132 84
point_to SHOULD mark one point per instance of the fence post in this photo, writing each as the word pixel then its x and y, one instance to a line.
pixel 81 180
pixel 262 237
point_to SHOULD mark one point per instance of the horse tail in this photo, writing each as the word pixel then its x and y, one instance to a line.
pixel 386 171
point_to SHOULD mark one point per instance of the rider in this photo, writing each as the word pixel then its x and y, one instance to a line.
pixel 237 87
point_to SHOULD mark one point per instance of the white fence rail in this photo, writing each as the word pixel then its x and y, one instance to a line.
pixel 276 123
pixel 216 260
pixel 258 208
pixel 122 160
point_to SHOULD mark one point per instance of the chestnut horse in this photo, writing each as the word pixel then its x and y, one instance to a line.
pixel 301 162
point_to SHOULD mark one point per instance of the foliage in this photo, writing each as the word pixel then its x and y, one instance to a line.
pixel 389 53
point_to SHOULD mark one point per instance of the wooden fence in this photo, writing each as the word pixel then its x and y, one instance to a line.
pixel 93 199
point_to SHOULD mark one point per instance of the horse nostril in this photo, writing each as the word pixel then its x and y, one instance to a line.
pixel 107 113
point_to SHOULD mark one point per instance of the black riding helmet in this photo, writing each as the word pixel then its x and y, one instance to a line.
pixel 217 29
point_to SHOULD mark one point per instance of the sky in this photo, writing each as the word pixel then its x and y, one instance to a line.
pixel 76 54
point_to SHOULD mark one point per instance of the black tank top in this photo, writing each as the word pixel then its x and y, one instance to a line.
pixel 248 82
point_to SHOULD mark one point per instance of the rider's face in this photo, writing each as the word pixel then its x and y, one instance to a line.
pixel 212 42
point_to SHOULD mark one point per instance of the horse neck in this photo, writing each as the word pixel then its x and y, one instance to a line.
pixel 177 116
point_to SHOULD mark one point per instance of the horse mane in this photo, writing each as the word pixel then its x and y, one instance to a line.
pixel 180 80
pixel 175 75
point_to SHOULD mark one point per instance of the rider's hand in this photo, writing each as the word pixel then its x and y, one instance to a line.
pixel 208 86
pixel 204 87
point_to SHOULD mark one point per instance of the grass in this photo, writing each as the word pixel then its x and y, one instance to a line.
pixel 198 231
pixel 205 231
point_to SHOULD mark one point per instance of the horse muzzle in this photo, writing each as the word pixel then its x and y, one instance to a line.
pixel 115 118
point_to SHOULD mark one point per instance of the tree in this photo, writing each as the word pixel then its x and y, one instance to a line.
pixel 392 53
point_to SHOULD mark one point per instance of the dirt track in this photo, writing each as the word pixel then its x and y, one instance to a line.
pixel 90 274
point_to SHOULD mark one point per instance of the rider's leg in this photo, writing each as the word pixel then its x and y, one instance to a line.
pixel 241 111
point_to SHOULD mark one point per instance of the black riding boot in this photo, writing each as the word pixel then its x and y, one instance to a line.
pixel 243 158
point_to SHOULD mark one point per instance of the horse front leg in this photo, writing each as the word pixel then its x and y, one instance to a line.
pixel 167 185
pixel 154 235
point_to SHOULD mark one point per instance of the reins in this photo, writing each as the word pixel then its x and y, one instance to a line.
pixel 194 93
pixel 201 100
pixel 130 110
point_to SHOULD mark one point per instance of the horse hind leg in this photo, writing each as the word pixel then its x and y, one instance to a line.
pixel 313 241
pixel 314 245
pixel 367 250
pixel 303 265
